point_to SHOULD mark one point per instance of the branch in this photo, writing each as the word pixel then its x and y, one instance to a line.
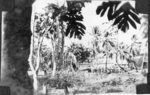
pixel 32 42
pixel 39 49
pixel 119 65
pixel 31 56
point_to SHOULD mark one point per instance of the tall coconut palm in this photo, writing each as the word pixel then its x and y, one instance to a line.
pixel 121 53
pixel 134 49
pixel 96 39
pixel 109 41
pixel 103 39
pixel 108 45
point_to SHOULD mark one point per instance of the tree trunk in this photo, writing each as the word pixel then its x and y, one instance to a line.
pixel 45 91
pixel 106 56
pixel 71 65
pixel 53 61
pixel 60 44
pixel 53 42
pixel 36 85
pixel 106 64
pixel 38 56
pixel 62 49
pixel 118 63
pixel 54 69
pixel 35 80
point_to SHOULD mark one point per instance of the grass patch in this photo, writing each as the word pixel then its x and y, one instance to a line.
pixel 113 90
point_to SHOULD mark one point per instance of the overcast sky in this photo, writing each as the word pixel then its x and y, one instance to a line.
pixel 91 20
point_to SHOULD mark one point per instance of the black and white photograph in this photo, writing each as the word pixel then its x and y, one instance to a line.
pixel 74 47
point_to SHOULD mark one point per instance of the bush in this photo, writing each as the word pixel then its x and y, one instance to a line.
pixel 113 82
pixel 130 80
pixel 66 77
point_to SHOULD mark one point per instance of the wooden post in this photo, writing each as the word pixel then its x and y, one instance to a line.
pixel 148 77
pixel 5 5
pixel 143 6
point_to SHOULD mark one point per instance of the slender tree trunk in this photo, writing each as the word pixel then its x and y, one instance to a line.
pixel 53 58
pixel 38 56
pixel 35 81
pixel 118 63
pixel 34 71
pixel 30 59
pixel 53 42
pixel 60 43
pixel 106 56
pixel 36 85
pixel 106 64
pixel 71 65
pixel 62 49
pixel 54 66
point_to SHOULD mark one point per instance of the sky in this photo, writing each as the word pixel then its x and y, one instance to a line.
pixel 91 20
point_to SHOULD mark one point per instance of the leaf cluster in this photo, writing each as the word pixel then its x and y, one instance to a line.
pixel 82 53
pixel 73 18
pixel 123 16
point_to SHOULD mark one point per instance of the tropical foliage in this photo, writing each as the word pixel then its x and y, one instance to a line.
pixel 54 25
pixel 121 15
pixel 144 25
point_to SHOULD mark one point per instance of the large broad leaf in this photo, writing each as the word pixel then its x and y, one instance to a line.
pixel 112 5
pixel 123 16
pixel 75 29
pixel 72 17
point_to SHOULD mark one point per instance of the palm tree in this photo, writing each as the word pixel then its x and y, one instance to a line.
pixel 109 42
pixel 134 49
pixel 121 53
pixel 121 15
pixel 108 45
pixel 104 40
pixel 96 39
pixel 52 27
